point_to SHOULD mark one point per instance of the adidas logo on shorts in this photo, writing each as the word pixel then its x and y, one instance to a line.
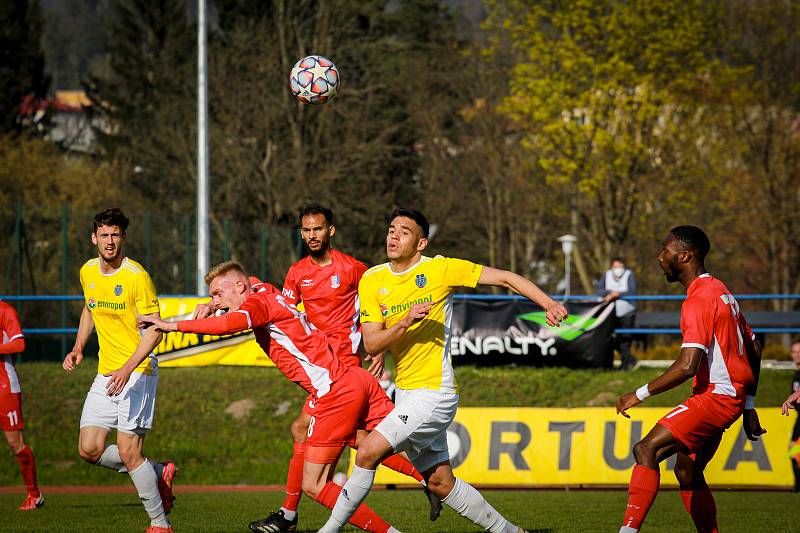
pixel 403 418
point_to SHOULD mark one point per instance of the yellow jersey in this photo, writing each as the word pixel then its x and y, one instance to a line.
pixel 116 301
pixel 422 355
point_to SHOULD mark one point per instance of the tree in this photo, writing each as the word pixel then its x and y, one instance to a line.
pixel 21 59
pixel 600 103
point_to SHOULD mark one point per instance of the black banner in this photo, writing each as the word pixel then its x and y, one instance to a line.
pixel 501 332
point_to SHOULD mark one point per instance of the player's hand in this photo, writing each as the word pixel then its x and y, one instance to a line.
pixel 157 323
pixel 202 311
pixel 555 313
pixel 417 313
pixel 119 378
pixel 376 364
pixel 625 402
pixel 72 360
pixel 791 403
pixel 752 427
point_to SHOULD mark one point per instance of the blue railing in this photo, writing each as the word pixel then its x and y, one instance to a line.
pixel 484 297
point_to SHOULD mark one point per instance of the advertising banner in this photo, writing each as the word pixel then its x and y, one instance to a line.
pixel 500 332
pixel 179 349
pixel 593 446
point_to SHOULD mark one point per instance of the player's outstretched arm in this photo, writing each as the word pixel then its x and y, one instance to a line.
pixel 556 312
pixel 377 339
pixel 85 327
pixel 683 368
pixel 147 344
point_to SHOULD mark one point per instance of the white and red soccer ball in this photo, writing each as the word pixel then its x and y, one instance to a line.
pixel 314 80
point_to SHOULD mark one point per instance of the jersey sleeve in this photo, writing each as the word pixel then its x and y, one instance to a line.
pixel 256 309
pixel 697 320
pixel 358 271
pixel 290 292
pixel 368 298
pixel 461 273
pixel 146 298
pixel 11 324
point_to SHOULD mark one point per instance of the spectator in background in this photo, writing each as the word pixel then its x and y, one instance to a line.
pixel 619 281
pixel 794 443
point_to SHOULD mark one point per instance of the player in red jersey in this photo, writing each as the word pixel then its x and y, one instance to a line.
pixel 720 351
pixel 345 400
pixel 326 281
pixel 13 342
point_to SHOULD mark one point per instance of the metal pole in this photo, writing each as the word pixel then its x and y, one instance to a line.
pixel 203 253
pixel 567 274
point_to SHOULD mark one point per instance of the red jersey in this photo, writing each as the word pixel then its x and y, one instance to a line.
pixel 711 321
pixel 330 296
pixel 11 332
pixel 299 350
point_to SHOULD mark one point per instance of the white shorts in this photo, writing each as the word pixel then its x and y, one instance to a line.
pixel 418 425
pixel 131 411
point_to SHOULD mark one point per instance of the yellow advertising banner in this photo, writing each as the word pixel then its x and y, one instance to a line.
pixel 188 349
pixel 593 446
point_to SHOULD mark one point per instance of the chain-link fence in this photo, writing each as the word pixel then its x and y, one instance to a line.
pixel 43 248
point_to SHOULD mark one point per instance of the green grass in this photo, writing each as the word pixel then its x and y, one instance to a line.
pixel 584 511
pixel 213 447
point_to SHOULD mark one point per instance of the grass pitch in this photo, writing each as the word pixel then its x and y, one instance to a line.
pixel 539 511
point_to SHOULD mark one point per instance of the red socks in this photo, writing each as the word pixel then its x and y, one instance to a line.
pixel 294 479
pixel 364 517
pixel 398 463
pixel 701 507
pixel 641 494
pixel 27 467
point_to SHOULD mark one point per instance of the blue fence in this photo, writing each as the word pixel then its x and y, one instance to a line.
pixel 484 297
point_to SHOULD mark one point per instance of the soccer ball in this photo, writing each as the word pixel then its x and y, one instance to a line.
pixel 314 80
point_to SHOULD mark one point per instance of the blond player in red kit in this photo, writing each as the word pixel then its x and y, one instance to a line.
pixel 345 400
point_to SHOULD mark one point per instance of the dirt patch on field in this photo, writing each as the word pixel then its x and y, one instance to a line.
pixel 283 408
pixel 603 399
pixel 240 409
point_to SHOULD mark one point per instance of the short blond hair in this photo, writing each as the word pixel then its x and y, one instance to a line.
pixel 223 268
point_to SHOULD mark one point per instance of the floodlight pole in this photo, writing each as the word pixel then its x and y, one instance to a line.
pixel 567 243
pixel 203 255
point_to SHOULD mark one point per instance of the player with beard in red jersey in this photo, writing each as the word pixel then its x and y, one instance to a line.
pixel 720 352
pixel 346 402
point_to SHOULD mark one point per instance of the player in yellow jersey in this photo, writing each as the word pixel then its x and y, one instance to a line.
pixel 118 292
pixel 406 308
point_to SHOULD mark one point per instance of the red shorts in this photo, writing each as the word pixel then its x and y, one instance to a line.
pixel 356 401
pixel 11 411
pixel 701 418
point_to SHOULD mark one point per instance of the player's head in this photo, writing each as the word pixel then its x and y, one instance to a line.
pixel 684 250
pixel 316 229
pixel 795 353
pixel 228 285
pixel 108 234
pixel 408 234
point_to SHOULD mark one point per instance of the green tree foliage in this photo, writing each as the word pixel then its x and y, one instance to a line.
pixel 21 58
pixel 147 101
pixel 752 133
pixel 599 88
